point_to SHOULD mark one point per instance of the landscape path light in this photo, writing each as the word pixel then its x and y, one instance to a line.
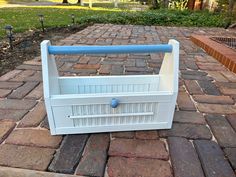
pixel 73 18
pixel 41 19
pixel 9 33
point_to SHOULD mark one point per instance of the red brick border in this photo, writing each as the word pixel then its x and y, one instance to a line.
pixel 222 53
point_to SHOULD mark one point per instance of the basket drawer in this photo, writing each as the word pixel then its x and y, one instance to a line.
pixel 103 115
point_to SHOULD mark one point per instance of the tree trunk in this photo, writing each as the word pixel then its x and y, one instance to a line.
pixel 154 4
pixel 166 3
pixel 231 7
pixel 191 4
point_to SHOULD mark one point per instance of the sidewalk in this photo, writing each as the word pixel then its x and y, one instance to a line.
pixel 202 141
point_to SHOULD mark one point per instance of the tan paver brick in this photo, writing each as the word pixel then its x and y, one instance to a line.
pixel 17 104
pixel 213 99
pixel 126 167
pixel 16 172
pixel 36 93
pixel 154 149
pixel 5 128
pixel 34 117
pixel 34 137
pixel 25 157
pixel 216 108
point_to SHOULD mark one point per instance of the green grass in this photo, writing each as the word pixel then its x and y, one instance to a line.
pixel 25 18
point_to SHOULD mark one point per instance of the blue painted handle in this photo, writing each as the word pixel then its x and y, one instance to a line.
pixel 109 49
pixel 114 102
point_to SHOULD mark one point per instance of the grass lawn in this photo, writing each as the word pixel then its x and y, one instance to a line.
pixel 26 18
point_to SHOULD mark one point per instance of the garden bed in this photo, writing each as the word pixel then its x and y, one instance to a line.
pixel 26 45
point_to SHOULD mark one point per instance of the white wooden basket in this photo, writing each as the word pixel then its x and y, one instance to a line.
pixel 110 103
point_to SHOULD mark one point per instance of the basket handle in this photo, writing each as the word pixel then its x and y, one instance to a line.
pixel 118 49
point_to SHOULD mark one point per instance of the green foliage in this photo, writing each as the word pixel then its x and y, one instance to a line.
pixel 24 19
pixel 222 5
pixel 178 4
pixel 161 17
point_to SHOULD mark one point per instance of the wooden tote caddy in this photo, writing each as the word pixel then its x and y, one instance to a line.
pixel 110 103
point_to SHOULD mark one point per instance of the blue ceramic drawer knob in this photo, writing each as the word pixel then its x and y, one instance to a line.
pixel 114 102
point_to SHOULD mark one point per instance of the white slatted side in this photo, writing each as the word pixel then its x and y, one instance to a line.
pixel 115 88
pixel 110 84
pixel 136 114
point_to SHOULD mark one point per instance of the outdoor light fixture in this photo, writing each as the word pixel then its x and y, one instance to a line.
pixel 73 18
pixel 41 19
pixel 8 29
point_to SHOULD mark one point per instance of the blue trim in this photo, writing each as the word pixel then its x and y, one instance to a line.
pixel 109 49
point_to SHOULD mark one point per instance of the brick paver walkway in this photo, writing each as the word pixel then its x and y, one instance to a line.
pixel 202 141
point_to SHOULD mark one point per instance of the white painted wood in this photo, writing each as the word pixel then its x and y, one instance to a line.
pixel 96 129
pixel 90 3
pixel 50 81
pixel 81 2
pixel 82 104
pixel 112 115
pixel 116 3
pixel 105 99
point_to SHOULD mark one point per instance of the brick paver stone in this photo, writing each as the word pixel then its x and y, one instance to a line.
pixel 192 72
pixel 216 108
pixel 25 157
pixel 95 156
pixel 190 131
pixel 12 114
pixel 212 159
pixel 232 120
pixel 44 123
pixel 127 167
pixel 196 77
pixel 35 77
pixel 217 76
pixel 211 66
pixel 138 148
pixel 10 85
pixel 122 135
pixel 212 99
pixel 20 92
pixel 146 135
pixel 29 67
pixel 10 75
pixel 189 117
pixel 17 104
pixel 5 128
pixel 23 75
pixel 184 102
pixel 231 85
pixel 105 69
pixel 16 172
pixel 209 88
pixel 69 154
pixel 227 91
pixel 86 66
pixel 229 75
pixel 4 93
pixel 36 93
pixel 191 65
pixel 193 87
pixel 34 137
pixel 34 117
pixel 231 155
pixel 222 130
pixel 184 158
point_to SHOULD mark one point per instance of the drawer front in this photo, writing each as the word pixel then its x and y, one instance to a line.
pixel 105 115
